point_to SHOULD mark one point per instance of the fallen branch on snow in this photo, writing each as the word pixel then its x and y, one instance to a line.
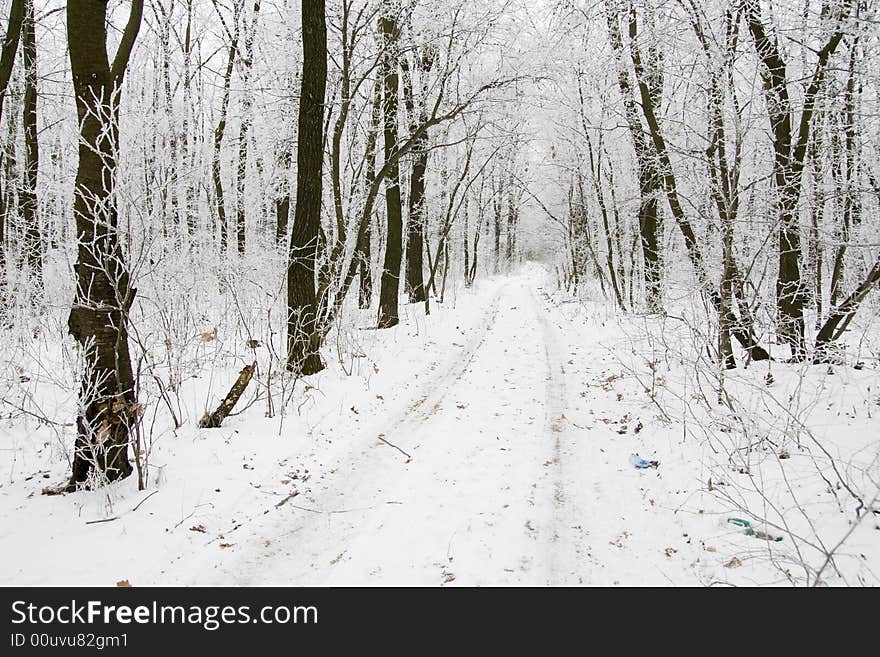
pixel 215 419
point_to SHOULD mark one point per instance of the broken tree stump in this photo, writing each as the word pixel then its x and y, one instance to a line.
pixel 215 419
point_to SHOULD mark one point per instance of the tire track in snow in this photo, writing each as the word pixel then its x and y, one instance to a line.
pixel 440 387
pixel 347 495
pixel 568 558
pixel 554 425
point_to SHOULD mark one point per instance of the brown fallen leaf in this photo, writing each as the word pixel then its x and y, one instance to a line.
pixel 123 583
pixel 711 549
pixel 198 528
pixel 733 563
pixel 223 546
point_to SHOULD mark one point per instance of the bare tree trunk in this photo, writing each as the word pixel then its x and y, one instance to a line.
pixel 282 214
pixel 7 61
pixel 667 175
pixel 99 315
pixel 497 205
pixel 10 45
pixel 471 273
pixel 283 161
pixel 303 335
pixel 596 165
pixel 415 233
pixel 466 247
pixel 649 178
pixel 445 270
pixel 840 316
pixel 726 318
pixel 847 176
pixel 789 152
pixel 390 286
pixel 364 251
pixel 817 212
pixel 247 102
pixel 511 225
pixel 220 130
pixel 169 189
pixel 188 150
pixel 32 241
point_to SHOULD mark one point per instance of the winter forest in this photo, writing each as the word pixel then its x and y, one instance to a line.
pixel 448 293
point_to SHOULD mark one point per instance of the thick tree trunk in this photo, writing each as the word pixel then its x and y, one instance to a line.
pixel 7 61
pixel 99 315
pixel 415 232
pixel 32 242
pixel 415 229
pixel 10 45
pixel 649 228
pixel 390 285
pixel 303 335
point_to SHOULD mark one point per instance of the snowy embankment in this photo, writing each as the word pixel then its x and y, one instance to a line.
pixel 489 443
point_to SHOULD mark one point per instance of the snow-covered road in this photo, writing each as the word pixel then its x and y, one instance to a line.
pixel 486 444
pixel 508 478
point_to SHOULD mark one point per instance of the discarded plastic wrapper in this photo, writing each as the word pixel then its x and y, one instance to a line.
pixel 751 531
pixel 639 462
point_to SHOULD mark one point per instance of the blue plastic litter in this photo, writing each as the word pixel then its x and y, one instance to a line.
pixel 639 462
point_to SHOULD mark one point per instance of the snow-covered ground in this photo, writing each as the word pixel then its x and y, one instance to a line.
pixel 487 444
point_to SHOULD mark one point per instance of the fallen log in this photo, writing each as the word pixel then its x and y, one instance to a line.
pixel 215 419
